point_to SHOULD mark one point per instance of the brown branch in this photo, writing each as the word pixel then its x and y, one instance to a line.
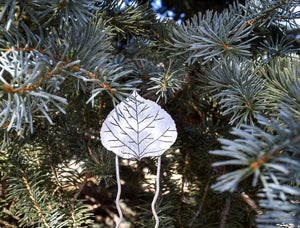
pixel 157 35
pixel 62 4
pixel 5 125
pixel 11 89
pixel 201 204
pixel 26 49
pixel 85 72
pixel 94 157
pixel 226 46
pixel 6 224
pixel 197 110
pixel 251 203
pixel 8 212
pixel 262 160
pixel 186 163
pixel 55 70
pixel 59 185
pixel 106 86
pixel 225 213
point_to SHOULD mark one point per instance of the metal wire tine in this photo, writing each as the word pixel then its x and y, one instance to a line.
pixel 156 192
pixel 119 193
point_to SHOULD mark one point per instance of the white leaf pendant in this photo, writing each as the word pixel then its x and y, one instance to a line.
pixel 138 128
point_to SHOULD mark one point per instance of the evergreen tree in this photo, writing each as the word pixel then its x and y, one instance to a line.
pixel 229 79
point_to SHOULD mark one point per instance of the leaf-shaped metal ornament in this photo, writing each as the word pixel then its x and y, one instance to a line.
pixel 135 129
pixel 138 128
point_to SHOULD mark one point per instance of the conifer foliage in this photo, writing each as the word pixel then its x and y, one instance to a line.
pixel 230 80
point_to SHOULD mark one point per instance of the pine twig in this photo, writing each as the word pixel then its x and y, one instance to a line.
pixel 251 203
pixel 225 213
pixel 6 224
pixel 182 189
pixel 8 212
pixel 201 204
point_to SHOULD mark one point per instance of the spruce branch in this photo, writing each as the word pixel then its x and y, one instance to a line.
pixel 266 156
pixel 110 79
pixel 100 51
pixel 133 20
pixel 20 37
pixel 65 11
pixel 100 164
pixel 209 36
pixel 169 81
pixel 88 43
pixel 239 88
pixel 258 151
pixel 266 13
pixel 33 202
pixel 280 202
pixel 23 90
pixel 279 47
pixel 283 84
pixel 32 198
pixel 5 4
